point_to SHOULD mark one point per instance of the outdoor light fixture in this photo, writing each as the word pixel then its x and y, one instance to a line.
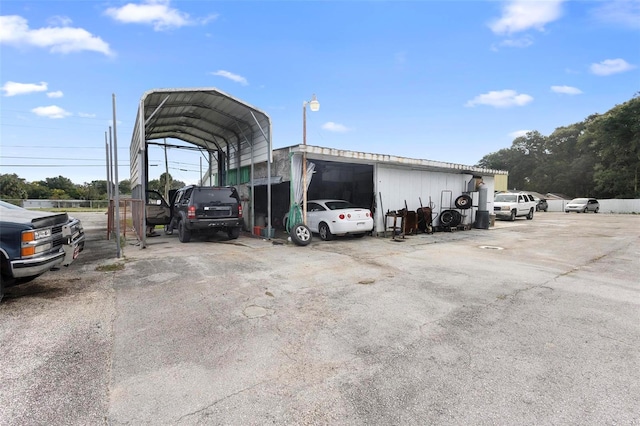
pixel 314 106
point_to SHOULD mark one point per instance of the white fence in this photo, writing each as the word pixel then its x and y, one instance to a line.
pixel 60 204
pixel 628 206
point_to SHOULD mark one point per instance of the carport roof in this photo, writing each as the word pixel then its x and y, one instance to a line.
pixel 201 116
pixel 205 117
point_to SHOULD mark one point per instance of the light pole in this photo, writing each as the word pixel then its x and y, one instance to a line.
pixel 314 105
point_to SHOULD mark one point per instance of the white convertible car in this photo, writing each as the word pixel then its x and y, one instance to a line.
pixel 329 218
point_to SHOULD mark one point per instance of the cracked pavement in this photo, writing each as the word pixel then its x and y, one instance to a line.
pixel 435 329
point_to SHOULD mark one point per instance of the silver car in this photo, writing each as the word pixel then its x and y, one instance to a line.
pixel 582 205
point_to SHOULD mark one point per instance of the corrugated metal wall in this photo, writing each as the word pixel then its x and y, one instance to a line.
pixel 397 185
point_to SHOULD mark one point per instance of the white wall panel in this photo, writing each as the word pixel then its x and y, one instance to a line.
pixel 397 185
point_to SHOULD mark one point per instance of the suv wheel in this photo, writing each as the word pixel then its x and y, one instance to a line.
pixel 184 235
pixel 513 215
pixel 233 233
pixel 530 215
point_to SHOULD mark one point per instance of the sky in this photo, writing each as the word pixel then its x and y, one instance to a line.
pixel 448 81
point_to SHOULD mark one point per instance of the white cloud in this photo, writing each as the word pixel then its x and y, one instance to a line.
pixel 611 66
pixel 56 94
pixel 567 90
pixel 519 133
pixel 52 111
pixel 517 42
pixel 152 12
pixel 86 115
pixel 231 76
pixel 59 21
pixel 522 15
pixel 501 99
pixel 11 88
pixel 335 127
pixel 619 12
pixel 14 30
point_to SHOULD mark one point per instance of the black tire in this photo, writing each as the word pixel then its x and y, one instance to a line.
pixel 585 210
pixel 300 235
pixel 463 202
pixel 233 233
pixel 184 235
pixel 513 216
pixel 447 218
pixel 359 235
pixel 530 215
pixel 457 218
pixel 597 210
pixel 325 232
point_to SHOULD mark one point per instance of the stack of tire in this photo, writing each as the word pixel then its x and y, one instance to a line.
pixel 452 218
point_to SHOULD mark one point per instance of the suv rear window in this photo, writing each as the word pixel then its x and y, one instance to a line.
pixel 222 196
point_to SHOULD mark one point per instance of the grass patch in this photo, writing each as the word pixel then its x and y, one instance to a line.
pixel 111 268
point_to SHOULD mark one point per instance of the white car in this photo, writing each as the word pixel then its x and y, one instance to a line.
pixel 329 218
pixel 582 205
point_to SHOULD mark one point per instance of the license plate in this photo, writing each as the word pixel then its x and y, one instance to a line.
pixel 360 223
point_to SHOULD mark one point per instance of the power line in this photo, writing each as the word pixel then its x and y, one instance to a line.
pixel 61 147
pixel 54 158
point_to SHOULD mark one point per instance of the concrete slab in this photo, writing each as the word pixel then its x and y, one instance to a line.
pixel 530 322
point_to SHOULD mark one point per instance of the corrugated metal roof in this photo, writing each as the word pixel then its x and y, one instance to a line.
pixel 205 117
pixel 332 154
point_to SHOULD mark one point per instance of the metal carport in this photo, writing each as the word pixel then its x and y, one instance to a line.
pixel 233 133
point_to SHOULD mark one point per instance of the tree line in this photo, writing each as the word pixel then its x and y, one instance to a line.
pixel 13 187
pixel 597 157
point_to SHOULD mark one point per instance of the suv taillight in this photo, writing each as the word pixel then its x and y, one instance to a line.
pixel 239 210
pixel 191 213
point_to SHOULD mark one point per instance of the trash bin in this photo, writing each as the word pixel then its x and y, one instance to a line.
pixel 482 220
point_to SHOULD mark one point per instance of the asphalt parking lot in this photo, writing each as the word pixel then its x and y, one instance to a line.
pixel 529 322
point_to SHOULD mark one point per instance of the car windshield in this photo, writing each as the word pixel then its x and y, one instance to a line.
pixel 508 198
pixel 579 201
pixel 339 205
pixel 5 205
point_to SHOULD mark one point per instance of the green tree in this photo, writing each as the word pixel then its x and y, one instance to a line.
pixel 12 187
pixel 615 137
pixel 37 191
pixel 63 184
pixel 124 187
pixel 59 194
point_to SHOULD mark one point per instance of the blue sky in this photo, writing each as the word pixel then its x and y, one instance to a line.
pixel 440 80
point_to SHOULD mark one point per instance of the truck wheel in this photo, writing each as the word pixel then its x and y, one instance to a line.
pixel 300 234
pixel 446 218
pixel 463 202
pixel 184 235
pixel 513 215
pixel 530 215
pixel 597 210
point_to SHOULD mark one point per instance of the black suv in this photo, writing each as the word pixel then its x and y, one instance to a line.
pixel 206 209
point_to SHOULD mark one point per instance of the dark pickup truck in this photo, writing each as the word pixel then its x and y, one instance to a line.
pixel 33 242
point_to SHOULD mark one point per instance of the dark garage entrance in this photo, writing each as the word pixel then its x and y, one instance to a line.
pixel 332 179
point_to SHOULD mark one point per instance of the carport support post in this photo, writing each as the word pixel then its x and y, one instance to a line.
pixel 115 169
pixel 269 154
pixel 144 170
